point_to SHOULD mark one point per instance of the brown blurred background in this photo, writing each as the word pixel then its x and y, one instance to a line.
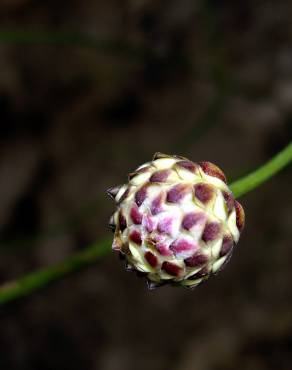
pixel 210 80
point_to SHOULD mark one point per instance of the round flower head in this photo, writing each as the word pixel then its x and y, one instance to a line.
pixel 176 221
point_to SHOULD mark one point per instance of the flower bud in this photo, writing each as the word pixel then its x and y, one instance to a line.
pixel 176 221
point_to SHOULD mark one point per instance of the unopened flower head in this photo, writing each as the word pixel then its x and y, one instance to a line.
pixel 176 221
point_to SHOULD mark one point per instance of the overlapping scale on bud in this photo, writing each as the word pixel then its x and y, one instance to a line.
pixel 176 221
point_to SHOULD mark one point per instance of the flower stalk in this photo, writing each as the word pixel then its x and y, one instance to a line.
pixel 37 280
pixel 263 173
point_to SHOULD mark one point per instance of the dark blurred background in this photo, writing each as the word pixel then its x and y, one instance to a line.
pixel 210 80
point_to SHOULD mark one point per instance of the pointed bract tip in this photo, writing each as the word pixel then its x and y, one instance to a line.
pixel 159 155
pixel 240 215
pixel 129 268
pixel 131 175
pixel 212 169
pixel 113 191
pixel 152 284
pixel 111 224
pixel 117 244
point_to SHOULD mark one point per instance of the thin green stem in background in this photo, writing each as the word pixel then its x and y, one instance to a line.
pixel 208 120
pixel 72 39
pixel 40 279
pixel 120 47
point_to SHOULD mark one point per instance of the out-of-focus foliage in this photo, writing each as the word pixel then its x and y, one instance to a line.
pixel 74 120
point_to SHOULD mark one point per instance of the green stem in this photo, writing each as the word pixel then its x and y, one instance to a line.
pixel 41 278
pixel 263 173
